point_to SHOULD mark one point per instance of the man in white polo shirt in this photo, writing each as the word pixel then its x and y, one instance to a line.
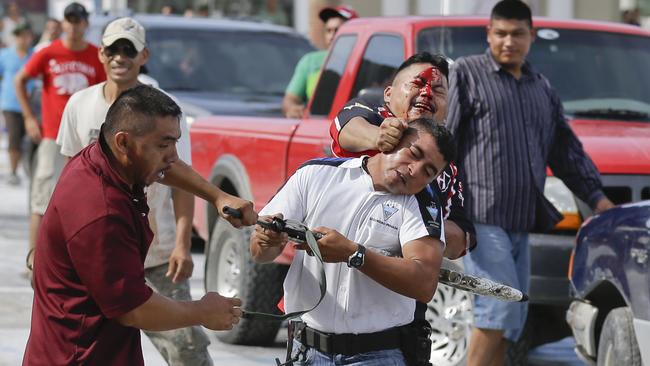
pixel 382 244
pixel 168 264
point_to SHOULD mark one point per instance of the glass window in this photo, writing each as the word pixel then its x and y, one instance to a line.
pixel 223 61
pixel 331 75
pixel 599 74
pixel 382 57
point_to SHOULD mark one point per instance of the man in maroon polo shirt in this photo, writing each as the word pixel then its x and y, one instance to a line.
pixel 90 296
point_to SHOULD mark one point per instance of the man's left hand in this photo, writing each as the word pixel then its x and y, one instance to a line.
pixel 603 204
pixel 180 265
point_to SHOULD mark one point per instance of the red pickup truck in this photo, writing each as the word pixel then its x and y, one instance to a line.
pixel 600 71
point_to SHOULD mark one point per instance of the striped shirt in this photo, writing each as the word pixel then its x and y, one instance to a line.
pixel 508 131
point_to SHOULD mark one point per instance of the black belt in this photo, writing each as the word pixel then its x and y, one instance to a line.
pixel 347 344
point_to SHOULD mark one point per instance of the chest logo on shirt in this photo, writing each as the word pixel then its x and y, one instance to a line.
pixel 388 209
pixel 71 76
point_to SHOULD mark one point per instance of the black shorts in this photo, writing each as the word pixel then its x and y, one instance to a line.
pixel 15 128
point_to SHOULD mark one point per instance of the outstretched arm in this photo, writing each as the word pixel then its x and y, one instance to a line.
pixel 182 176
pixel 159 313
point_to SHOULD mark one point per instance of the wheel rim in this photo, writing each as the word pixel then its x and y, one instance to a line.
pixel 229 268
pixel 450 315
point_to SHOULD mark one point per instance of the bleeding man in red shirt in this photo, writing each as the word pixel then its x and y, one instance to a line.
pixel 90 296
pixel 66 66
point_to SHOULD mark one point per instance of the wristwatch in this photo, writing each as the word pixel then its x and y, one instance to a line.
pixel 356 259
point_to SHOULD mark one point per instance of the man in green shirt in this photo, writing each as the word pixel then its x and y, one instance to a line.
pixel 306 74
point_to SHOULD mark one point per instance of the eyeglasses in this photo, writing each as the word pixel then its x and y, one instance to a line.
pixel 124 50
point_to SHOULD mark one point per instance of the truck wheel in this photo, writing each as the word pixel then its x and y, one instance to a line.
pixel 617 345
pixel 450 314
pixel 230 271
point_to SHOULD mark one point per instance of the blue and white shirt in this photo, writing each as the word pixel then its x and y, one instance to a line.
pixel 339 194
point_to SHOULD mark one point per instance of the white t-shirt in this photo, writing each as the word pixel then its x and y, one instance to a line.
pixel 339 194
pixel 82 118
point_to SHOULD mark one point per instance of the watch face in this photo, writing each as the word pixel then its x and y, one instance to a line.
pixel 356 262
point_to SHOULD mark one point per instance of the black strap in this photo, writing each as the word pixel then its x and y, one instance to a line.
pixel 311 242
pixel 420 311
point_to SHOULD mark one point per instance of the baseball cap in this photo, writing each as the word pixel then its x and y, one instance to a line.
pixel 21 27
pixel 125 28
pixel 342 11
pixel 75 10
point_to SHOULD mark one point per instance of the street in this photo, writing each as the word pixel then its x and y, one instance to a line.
pixel 17 295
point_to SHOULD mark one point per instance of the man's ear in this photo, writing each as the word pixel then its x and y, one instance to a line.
pixel 122 142
pixel 387 93
pixel 100 54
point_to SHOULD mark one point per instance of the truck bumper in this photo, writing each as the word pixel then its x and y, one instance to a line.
pixel 550 254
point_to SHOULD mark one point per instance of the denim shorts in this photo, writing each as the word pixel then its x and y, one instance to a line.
pixel 312 357
pixel 504 257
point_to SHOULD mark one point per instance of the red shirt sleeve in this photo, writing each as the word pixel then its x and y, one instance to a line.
pixel 36 64
pixel 108 260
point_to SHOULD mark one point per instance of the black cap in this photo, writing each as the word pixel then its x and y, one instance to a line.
pixel 75 10
pixel 21 27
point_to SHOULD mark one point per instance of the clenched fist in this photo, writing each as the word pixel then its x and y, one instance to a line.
pixel 390 132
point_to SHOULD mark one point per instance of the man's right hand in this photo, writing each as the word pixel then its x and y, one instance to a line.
pixel 33 129
pixel 248 214
pixel 390 133
pixel 218 312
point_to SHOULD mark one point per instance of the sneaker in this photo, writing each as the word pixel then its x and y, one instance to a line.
pixel 13 180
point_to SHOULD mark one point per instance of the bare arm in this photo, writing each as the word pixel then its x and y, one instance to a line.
pixel 292 106
pixel 31 123
pixel 182 176
pixel 414 275
pixel 180 261
pixel 159 313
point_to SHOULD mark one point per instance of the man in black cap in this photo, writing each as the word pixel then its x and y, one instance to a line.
pixel 67 65
pixel 307 70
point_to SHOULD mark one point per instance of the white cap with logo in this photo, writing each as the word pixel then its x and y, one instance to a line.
pixel 125 28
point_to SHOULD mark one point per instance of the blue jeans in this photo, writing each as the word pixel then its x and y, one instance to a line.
pixel 388 357
pixel 504 257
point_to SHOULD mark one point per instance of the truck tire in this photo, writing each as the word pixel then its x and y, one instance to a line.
pixel 230 271
pixel 450 313
pixel 618 345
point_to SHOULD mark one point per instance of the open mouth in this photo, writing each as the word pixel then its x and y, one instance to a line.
pixel 423 106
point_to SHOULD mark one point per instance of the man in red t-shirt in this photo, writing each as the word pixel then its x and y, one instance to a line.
pixel 90 296
pixel 66 66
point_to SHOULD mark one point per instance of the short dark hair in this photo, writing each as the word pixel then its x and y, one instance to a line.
pixel 512 9
pixel 440 133
pixel 134 111
pixel 437 61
